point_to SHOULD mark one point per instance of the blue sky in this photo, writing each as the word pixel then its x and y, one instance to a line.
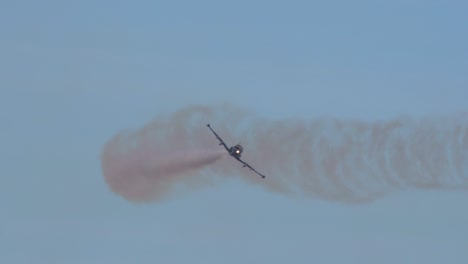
pixel 74 74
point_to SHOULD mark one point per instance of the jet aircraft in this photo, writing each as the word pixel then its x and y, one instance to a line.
pixel 234 151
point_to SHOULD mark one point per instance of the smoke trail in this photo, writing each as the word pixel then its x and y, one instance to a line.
pixel 339 160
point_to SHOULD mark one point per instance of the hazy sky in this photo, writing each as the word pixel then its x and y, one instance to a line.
pixel 74 74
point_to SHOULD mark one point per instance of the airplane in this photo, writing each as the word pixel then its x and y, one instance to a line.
pixel 234 151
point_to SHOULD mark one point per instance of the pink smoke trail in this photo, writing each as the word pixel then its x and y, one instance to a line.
pixel 338 160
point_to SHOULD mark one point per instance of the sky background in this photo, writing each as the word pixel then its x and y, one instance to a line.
pixel 74 74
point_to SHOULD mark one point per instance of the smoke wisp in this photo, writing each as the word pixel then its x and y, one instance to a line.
pixel 340 160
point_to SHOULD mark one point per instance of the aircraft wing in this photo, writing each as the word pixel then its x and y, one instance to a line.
pixel 220 140
pixel 250 167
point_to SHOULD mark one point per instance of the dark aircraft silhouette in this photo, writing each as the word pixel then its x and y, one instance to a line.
pixel 235 151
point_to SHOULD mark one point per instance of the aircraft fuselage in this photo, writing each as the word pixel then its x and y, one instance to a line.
pixel 236 151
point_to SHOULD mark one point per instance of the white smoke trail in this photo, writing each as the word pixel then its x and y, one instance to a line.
pixel 339 160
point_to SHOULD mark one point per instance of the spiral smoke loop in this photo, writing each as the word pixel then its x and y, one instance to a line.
pixel 340 160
